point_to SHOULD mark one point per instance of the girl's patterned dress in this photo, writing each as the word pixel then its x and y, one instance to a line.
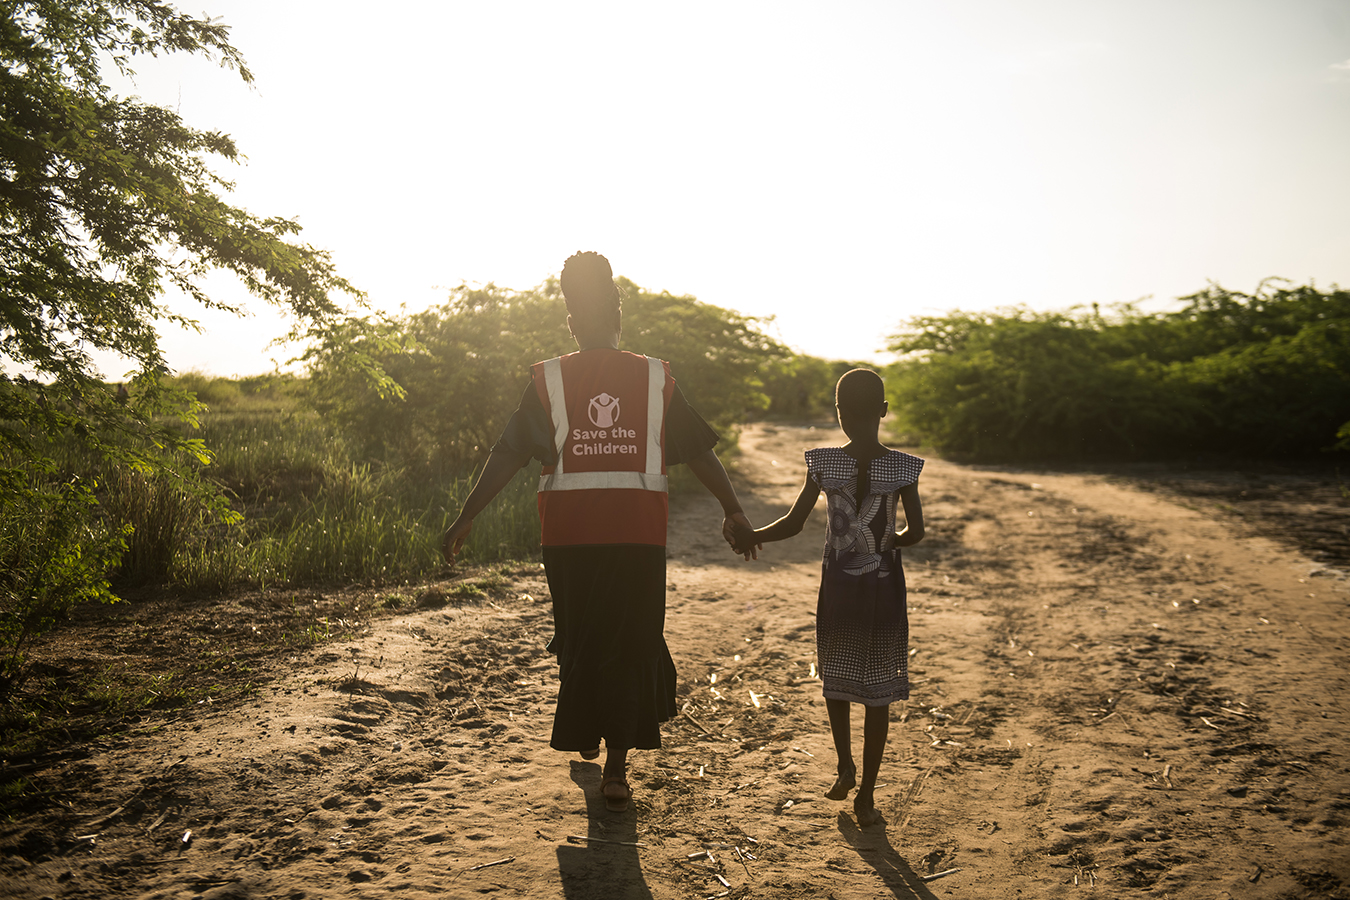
pixel 862 632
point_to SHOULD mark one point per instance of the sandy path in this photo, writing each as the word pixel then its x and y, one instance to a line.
pixel 1113 697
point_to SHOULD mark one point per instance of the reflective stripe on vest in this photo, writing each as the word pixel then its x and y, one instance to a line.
pixel 652 479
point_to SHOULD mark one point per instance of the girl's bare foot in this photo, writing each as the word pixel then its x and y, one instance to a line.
pixel 845 782
pixel 867 813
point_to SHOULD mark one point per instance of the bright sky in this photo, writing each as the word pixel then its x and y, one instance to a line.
pixel 839 166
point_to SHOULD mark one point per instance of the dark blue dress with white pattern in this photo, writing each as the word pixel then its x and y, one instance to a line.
pixel 862 631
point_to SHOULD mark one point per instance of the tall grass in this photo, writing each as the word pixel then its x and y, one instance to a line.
pixel 309 504
pixel 162 516
pixel 363 524
pixel 309 509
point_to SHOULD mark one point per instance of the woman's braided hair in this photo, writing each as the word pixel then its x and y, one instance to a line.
pixel 588 286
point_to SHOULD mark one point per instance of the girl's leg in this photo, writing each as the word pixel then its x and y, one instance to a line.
pixel 875 727
pixel 843 748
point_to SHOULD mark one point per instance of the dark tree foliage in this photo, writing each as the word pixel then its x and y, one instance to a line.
pixel 106 202
pixel 463 366
pixel 716 354
pixel 801 387
pixel 459 367
pixel 1263 374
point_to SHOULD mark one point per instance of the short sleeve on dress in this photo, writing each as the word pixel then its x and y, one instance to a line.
pixel 831 466
pixel 815 462
pixel 898 469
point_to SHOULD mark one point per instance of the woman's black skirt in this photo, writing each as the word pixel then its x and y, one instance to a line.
pixel 617 677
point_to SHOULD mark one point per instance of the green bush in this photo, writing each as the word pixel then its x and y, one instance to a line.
pixel 463 366
pixel 55 552
pixel 717 355
pixel 161 513
pixel 211 390
pixel 801 387
pixel 308 509
pixel 460 367
pixel 1263 374
pixel 277 497
pixel 1285 395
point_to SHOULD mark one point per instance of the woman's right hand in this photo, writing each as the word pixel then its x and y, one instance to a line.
pixel 740 534
pixel 454 539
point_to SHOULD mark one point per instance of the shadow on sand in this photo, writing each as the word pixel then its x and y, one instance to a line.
pixel 874 846
pixel 602 871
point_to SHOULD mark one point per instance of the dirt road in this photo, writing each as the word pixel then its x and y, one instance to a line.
pixel 1113 696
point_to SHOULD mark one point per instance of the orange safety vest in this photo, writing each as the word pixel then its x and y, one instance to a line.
pixel 608 409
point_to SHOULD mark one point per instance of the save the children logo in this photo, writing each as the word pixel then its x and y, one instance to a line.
pixel 603 410
pixel 604 413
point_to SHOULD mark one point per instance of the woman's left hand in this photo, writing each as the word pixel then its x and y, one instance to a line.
pixel 454 539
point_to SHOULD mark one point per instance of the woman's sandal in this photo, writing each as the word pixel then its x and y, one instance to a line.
pixel 616 791
pixel 591 754
pixel 845 782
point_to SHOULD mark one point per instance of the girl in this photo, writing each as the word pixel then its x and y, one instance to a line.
pixel 862 632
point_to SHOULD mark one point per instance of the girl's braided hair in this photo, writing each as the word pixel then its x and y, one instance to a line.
pixel 860 390
pixel 588 286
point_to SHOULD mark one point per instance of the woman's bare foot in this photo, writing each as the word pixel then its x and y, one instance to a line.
pixel 845 782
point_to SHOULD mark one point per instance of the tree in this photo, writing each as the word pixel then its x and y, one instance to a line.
pixel 463 365
pixel 107 202
pixel 716 354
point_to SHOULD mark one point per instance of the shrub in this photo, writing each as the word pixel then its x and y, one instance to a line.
pixel 801 387
pixel 55 552
pixel 1263 374
pixel 160 512
pixel 462 368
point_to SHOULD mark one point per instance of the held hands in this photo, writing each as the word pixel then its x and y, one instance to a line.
pixel 740 534
pixel 454 539
pixel 736 529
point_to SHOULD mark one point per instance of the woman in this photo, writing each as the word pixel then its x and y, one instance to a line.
pixel 606 424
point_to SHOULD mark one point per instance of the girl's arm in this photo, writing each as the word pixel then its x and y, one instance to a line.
pixel 791 524
pixel 913 532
